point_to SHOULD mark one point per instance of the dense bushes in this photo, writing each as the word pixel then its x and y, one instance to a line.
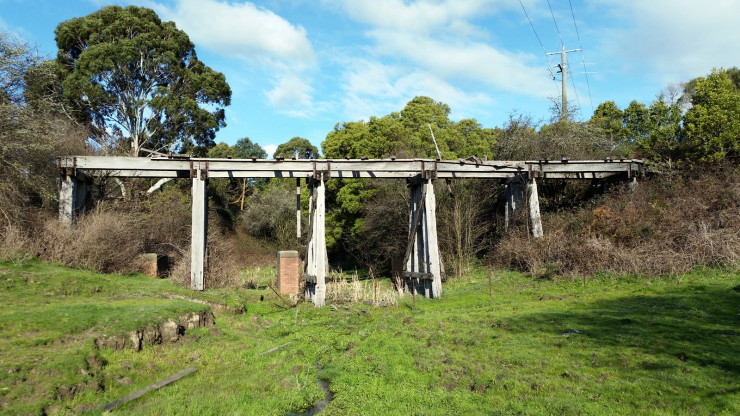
pixel 668 224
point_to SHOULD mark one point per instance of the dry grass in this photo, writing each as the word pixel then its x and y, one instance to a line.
pixel 103 241
pixel 223 267
pixel 14 244
pixel 668 225
pixel 340 289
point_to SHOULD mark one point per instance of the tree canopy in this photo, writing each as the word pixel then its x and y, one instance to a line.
pixel 407 134
pixel 712 124
pixel 243 149
pixel 296 146
pixel 701 126
pixel 137 80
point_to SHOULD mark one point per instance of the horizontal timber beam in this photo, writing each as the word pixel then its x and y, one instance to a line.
pixel 349 168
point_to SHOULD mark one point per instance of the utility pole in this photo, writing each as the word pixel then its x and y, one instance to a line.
pixel 563 65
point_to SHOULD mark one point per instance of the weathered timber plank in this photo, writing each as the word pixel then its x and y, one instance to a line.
pixel 417 275
pixel 375 168
pixel 535 219
pixel 138 393
pixel 433 289
pixel 66 199
pixel 199 218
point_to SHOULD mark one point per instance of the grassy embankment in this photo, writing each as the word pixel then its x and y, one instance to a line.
pixel 616 345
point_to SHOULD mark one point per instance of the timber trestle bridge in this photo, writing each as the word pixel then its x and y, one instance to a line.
pixel 422 264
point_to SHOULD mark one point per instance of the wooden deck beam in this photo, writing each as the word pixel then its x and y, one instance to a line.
pixel 343 168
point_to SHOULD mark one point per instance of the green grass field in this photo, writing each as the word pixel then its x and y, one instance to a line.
pixel 614 345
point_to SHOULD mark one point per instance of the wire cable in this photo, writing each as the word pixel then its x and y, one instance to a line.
pixel 575 90
pixel 556 24
pixel 535 32
pixel 547 57
pixel 583 57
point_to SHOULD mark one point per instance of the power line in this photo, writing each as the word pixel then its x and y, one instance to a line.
pixel 531 25
pixel 575 89
pixel 583 58
pixel 547 56
pixel 549 66
pixel 556 24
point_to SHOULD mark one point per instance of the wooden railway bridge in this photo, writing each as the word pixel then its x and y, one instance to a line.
pixel 422 264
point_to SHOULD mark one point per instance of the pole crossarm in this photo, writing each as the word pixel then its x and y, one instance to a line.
pixel 115 166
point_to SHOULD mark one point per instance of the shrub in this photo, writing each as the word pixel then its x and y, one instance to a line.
pixel 668 225
pixel 103 241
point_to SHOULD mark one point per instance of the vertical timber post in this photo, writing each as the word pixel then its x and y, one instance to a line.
pixel 67 197
pixel 316 255
pixel 434 262
pixel 423 268
pixel 535 218
pixel 298 208
pixel 515 196
pixel 200 225
pixel 72 194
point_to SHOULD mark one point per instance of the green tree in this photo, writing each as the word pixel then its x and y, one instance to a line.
pixel 416 116
pixel 345 141
pixel 297 145
pixel 711 127
pixel 661 142
pixel 138 80
pixel 468 138
pixel 243 149
pixel 246 149
pixel 43 90
pixel 610 119
pixel 637 122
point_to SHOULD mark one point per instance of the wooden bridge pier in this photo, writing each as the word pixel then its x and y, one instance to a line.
pixel 199 221
pixel 518 190
pixel 72 195
pixel 533 200
pixel 316 255
pixel 422 263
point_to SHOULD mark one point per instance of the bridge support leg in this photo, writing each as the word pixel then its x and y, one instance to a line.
pixel 535 219
pixel 633 184
pixel 72 194
pixel 298 208
pixel 200 227
pixel 515 197
pixel 316 256
pixel 423 264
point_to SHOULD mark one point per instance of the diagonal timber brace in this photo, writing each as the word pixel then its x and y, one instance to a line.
pixel 422 262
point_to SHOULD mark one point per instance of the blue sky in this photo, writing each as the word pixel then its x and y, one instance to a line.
pixel 298 67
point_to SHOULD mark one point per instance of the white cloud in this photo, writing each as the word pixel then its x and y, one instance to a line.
pixel 466 61
pixel 292 95
pixel 678 39
pixel 421 17
pixel 242 29
pixel 255 35
pixel 270 149
pixel 434 48
pixel 372 88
